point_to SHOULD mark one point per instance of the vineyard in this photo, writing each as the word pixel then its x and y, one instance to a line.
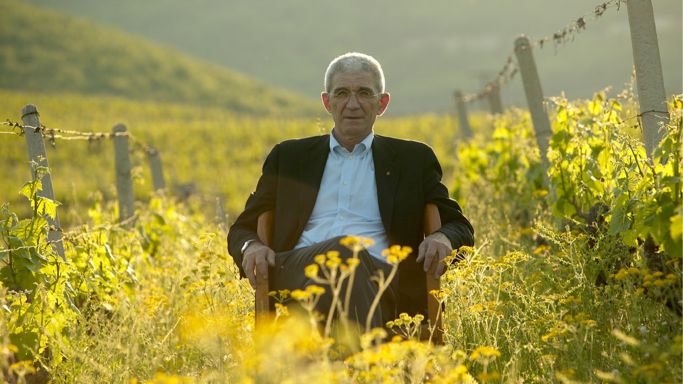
pixel 575 276
pixel 577 205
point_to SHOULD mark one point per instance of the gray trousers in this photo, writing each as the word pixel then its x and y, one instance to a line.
pixel 288 273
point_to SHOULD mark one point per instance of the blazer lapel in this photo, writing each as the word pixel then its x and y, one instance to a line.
pixel 311 168
pixel 386 177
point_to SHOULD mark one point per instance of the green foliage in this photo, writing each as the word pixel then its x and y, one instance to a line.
pixel 590 252
pixel 45 51
pixel 508 161
pixel 111 273
pixel 595 164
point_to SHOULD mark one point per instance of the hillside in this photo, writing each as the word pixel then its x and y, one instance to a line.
pixel 427 48
pixel 45 51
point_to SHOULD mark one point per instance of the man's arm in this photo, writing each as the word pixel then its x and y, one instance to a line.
pixel 259 201
pixel 455 230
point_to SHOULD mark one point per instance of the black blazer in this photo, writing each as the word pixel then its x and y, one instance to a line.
pixel 408 176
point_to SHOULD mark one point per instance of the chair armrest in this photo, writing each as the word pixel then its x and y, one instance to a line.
pixel 432 222
pixel 264 227
pixel 264 230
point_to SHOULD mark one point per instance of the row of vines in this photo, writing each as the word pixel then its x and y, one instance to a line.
pixel 575 276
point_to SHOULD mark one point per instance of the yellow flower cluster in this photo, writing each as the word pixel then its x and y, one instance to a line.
pixel 331 261
pixel 311 291
pixel 514 257
pixel 154 300
pixel 657 279
pixel 280 295
pixel 311 271
pixel 555 331
pixel 356 243
pixel 626 272
pixel 650 279
pixel 396 253
pixel 487 307
pixel 407 326
pixel 442 294
pixel 281 310
pixel 580 318
pixel 405 319
pixel 374 337
pixel 406 361
pixel 459 375
pixel 484 354
pixel 21 369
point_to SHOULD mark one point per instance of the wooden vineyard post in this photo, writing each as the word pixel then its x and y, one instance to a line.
pixel 157 171
pixel 649 78
pixel 465 128
pixel 495 102
pixel 534 94
pixel 37 156
pixel 124 182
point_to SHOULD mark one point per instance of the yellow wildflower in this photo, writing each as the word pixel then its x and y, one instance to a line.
pixel 319 259
pixel 396 253
pixel 621 275
pixel 353 262
pixel 589 323
pixel 311 271
pixel 356 243
pixel 332 263
pixel 315 290
pixel 22 368
pixel 484 353
pixel 299 295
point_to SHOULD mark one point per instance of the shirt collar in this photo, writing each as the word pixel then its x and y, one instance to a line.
pixel 363 147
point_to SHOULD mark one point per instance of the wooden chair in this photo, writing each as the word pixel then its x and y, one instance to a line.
pixel 432 222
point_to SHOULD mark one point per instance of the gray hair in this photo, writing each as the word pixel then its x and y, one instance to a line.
pixel 355 62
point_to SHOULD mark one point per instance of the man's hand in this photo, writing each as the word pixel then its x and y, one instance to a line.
pixel 434 249
pixel 255 260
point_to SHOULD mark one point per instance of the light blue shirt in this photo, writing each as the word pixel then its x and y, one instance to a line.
pixel 347 199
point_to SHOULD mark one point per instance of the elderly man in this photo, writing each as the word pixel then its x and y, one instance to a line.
pixel 351 182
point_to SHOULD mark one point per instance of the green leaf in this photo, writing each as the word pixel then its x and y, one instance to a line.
pixel 27 341
pixel 630 237
pixel 619 222
pixel 47 207
pixel 28 230
pixel 676 228
pixel 29 188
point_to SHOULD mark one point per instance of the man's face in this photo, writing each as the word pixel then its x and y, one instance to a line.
pixel 354 103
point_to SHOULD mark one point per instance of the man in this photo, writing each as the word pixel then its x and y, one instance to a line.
pixel 351 182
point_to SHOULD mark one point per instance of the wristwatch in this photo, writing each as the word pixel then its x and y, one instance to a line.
pixel 246 245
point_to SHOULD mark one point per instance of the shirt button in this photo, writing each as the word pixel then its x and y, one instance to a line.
pixel 345 183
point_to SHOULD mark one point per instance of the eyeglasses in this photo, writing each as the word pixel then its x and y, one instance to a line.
pixel 343 95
